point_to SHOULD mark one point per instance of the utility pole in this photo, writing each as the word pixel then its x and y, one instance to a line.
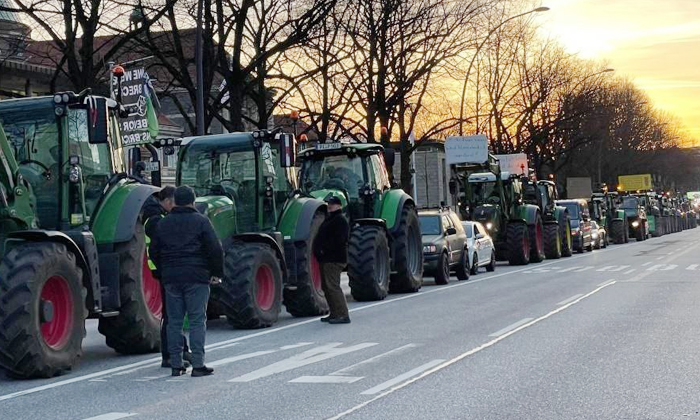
pixel 199 63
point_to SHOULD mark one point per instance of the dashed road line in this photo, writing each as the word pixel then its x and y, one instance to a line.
pixel 345 370
pixel 510 327
pixel 111 416
pixel 630 271
pixel 411 373
pixel 572 298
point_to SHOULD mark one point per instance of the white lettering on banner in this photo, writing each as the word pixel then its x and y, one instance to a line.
pixel 470 149
pixel 306 358
pixel 516 163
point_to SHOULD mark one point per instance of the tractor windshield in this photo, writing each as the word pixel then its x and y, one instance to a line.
pixel 485 193
pixel 333 172
pixel 629 203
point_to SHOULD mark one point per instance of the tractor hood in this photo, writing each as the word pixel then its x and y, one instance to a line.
pixel 221 211
pixel 322 194
pixel 485 213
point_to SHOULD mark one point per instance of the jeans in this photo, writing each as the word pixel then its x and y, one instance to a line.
pixel 330 283
pixel 164 330
pixel 190 299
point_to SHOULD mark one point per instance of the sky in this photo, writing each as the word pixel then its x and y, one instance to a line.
pixel 655 43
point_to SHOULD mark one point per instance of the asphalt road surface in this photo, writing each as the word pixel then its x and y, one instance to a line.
pixel 612 334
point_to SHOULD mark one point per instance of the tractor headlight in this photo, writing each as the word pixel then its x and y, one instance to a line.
pixel 74 175
pixel 594 235
pixel 635 224
pixel 429 249
pixel 489 225
pixel 575 231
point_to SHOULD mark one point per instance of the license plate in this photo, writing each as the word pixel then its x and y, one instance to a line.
pixel 328 146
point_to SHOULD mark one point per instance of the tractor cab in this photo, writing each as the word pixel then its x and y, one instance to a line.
pixel 356 172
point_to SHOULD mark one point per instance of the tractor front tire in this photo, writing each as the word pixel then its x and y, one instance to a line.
pixel 250 294
pixel 308 298
pixel 518 244
pixel 42 316
pixel 407 254
pixel 537 242
pixel 368 263
pixel 136 330
pixel 618 231
pixel 552 241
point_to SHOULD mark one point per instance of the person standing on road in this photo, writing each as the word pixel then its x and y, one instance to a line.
pixel 331 251
pixel 157 207
pixel 188 255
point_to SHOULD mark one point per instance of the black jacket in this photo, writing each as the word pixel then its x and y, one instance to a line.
pixel 185 248
pixel 331 244
pixel 152 213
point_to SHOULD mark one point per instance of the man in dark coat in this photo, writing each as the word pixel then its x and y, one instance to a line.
pixel 157 207
pixel 331 251
pixel 188 255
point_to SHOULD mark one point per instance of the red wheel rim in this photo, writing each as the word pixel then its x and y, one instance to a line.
pixel 265 287
pixel 57 331
pixel 151 290
pixel 315 273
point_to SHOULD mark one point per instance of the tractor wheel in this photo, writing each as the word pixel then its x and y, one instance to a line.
pixel 250 294
pixel 492 264
pixel 552 241
pixel 640 234
pixel 308 298
pixel 618 231
pixel 407 254
pixel 442 271
pixel 536 233
pixel 368 263
pixel 136 329
pixel 567 242
pixel 518 244
pixel 43 313
pixel 462 270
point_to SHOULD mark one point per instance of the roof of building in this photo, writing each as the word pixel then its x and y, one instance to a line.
pixel 7 15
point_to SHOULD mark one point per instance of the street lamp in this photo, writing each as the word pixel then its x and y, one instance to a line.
pixel 478 49
pixel 199 64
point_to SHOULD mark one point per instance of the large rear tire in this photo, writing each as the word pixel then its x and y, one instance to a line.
pixel 407 254
pixel 136 330
pixel 536 233
pixel 618 231
pixel 42 316
pixel 368 263
pixel 250 294
pixel 518 244
pixel 308 298
pixel 552 241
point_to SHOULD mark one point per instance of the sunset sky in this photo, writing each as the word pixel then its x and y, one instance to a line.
pixel 656 43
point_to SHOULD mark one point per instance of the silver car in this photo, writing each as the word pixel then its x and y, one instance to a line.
pixel 480 245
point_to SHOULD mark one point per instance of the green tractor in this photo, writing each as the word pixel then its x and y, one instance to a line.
pixel 246 186
pixel 636 217
pixel 385 253
pixel 650 204
pixel 72 242
pixel 557 223
pixel 495 199
pixel 606 212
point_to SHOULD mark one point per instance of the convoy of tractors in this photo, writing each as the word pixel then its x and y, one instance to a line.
pixel 72 241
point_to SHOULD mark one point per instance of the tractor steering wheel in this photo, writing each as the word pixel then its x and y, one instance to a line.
pixel 493 200
pixel 47 171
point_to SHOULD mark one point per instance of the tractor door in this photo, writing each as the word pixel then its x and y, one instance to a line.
pixel 274 188
pixel 378 183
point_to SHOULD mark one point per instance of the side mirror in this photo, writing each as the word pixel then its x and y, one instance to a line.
pixel 389 157
pixel 451 231
pixel 97 120
pixel 288 149
pixel 479 236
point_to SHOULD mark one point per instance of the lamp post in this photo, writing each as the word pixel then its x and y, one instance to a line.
pixel 199 63
pixel 478 49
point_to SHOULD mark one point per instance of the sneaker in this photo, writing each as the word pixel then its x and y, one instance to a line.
pixel 166 363
pixel 325 318
pixel 202 371
pixel 342 320
pixel 179 371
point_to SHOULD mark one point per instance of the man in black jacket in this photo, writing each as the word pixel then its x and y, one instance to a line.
pixel 157 207
pixel 188 254
pixel 331 251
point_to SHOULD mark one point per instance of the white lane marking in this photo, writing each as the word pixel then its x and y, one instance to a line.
pixel 111 416
pixel 510 327
pixel 411 373
pixel 296 346
pixel 605 283
pixel 692 267
pixel 612 268
pixel 572 298
pixel 156 360
pixel 97 380
pixel 240 357
pixel 630 271
pixel 646 263
pixel 661 258
pixel 583 269
pixel 330 379
pixel 662 267
pixel 540 270
pixel 308 357
pixel 569 269
pixel 466 354
pixel 345 370
pixel 222 347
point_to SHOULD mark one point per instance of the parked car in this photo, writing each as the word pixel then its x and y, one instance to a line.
pixel 599 235
pixel 444 244
pixel 482 253
pixel 580 223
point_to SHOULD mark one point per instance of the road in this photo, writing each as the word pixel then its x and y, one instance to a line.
pixel 612 334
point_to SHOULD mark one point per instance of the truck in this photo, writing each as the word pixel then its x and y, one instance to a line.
pixel 72 242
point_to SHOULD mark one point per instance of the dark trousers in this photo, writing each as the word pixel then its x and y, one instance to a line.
pixel 190 299
pixel 164 329
pixel 330 275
